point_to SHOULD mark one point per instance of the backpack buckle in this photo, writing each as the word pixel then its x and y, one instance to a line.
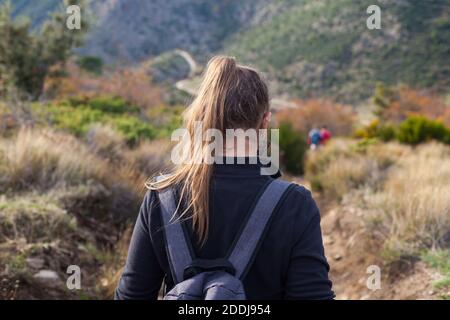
pixel 198 266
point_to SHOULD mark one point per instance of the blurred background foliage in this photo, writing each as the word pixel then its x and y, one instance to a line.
pixel 86 117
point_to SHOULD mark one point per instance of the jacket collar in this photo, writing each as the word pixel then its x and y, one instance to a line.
pixel 241 166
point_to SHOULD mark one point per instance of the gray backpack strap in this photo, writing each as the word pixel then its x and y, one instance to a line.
pixel 247 243
pixel 178 252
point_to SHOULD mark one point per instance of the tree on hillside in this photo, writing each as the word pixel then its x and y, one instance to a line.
pixel 26 55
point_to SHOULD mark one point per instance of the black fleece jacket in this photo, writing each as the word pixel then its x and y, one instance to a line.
pixel 290 263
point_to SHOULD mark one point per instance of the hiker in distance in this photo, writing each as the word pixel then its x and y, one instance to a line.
pixel 225 230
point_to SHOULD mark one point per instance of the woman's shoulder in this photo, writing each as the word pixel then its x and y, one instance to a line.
pixel 297 192
pixel 148 205
pixel 149 200
pixel 299 203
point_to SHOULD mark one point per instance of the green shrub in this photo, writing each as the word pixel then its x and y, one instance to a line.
pixel 133 129
pixel 112 105
pixel 293 147
pixel 28 52
pixel 91 64
pixel 417 129
pixel 385 132
pixel 368 131
pixel 77 121
pixel 77 115
pixel 440 260
pixel 115 105
pixel 413 130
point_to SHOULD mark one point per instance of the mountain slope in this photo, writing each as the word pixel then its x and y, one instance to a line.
pixel 324 47
pixel 37 10
pixel 308 47
pixel 135 30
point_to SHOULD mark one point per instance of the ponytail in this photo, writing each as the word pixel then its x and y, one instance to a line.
pixel 230 97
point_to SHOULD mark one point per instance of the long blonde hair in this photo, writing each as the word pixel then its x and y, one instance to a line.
pixel 230 96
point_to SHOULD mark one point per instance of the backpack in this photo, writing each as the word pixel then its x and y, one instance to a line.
pixel 315 136
pixel 218 279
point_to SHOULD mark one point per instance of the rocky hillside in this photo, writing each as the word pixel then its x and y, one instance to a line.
pixel 135 30
pixel 37 10
pixel 309 47
pixel 324 47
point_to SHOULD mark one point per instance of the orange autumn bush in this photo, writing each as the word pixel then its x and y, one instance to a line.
pixel 134 85
pixel 404 102
pixel 339 118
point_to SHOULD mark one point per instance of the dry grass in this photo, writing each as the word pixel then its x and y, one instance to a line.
pixel 112 271
pixel 35 218
pixel 414 204
pixel 342 166
pixel 402 192
pixel 106 142
pixel 150 158
pixel 43 159
pixel 65 202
